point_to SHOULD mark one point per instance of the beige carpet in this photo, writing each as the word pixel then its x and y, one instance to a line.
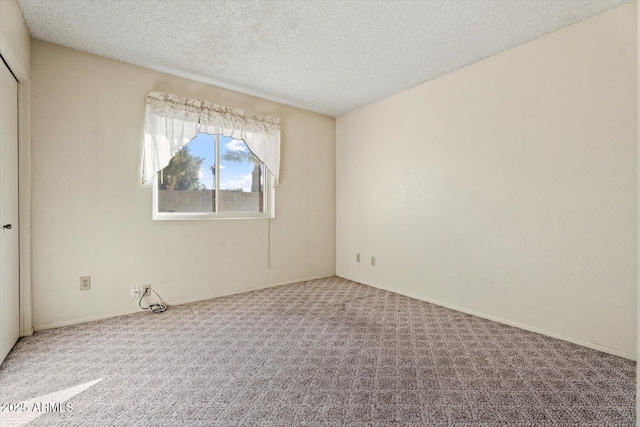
pixel 327 352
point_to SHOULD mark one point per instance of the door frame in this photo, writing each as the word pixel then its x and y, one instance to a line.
pixel 24 183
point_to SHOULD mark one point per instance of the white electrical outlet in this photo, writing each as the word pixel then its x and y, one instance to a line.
pixel 145 290
pixel 135 292
pixel 85 283
pixel 357 257
pixel 373 261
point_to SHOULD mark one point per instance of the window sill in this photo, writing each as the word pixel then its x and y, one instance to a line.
pixel 198 216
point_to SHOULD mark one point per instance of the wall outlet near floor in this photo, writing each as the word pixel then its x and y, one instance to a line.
pixel 145 290
pixel 357 257
pixel 373 261
pixel 85 283
pixel 135 292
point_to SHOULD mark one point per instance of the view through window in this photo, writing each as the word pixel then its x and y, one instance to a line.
pixel 213 176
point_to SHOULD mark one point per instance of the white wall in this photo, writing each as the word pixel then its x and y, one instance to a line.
pixel 506 188
pixel 92 216
pixel 15 48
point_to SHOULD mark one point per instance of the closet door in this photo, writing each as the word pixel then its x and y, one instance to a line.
pixel 9 236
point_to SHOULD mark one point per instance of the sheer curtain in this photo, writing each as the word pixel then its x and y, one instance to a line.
pixel 171 122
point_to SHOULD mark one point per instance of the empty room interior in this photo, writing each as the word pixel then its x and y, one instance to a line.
pixel 318 213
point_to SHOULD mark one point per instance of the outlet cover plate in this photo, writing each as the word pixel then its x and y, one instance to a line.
pixel 143 288
pixel 85 283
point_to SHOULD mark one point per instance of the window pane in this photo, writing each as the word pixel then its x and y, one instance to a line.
pixel 187 184
pixel 241 178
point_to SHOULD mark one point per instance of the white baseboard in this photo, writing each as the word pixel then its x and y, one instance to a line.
pixel 254 288
pixel 84 319
pixel 169 303
pixel 26 332
pixel 583 343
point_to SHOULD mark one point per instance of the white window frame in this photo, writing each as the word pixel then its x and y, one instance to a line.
pixel 268 194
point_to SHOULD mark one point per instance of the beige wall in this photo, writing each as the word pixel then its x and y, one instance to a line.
pixel 638 217
pixel 15 41
pixel 507 188
pixel 92 216
pixel 15 48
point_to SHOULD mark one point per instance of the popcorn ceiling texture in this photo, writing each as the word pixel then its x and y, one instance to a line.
pixel 328 352
pixel 329 57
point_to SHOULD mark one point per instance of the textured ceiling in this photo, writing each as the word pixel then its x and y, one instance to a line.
pixel 326 56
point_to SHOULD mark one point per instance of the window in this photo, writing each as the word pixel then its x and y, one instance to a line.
pixel 213 176
pixel 207 160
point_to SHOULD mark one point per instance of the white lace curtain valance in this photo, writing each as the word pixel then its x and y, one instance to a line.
pixel 171 122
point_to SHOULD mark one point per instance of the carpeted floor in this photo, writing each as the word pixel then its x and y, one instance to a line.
pixel 327 352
